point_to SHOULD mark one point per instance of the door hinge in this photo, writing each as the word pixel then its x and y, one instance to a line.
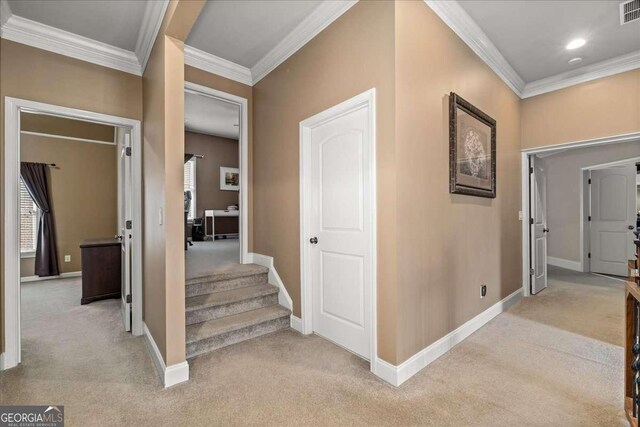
pixel 129 299
pixel 531 221
pixel 128 225
pixel 532 272
pixel 589 181
pixel 530 170
pixel 127 151
pixel 589 255
pixel 589 217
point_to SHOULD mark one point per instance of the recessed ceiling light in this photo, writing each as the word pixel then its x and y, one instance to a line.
pixel 575 60
pixel 576 43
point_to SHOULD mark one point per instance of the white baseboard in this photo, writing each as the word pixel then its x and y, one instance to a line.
pixel 274 279
pixel 564 263
pixel 2 367
pixel 396 375
pixel 296 323
pixel 61 276
pixel 170 375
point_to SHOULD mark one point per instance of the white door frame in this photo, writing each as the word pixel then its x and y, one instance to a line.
pixel 526 214
pixel 367 98
pixel 11 253
pixel 243 144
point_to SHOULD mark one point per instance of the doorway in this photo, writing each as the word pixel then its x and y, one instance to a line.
pixel 131 304
pixel 338 226
pixel 561 237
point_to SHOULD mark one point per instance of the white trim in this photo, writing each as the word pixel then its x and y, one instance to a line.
pixel 396 375
pixel 584 74
pixel 27 254
pixel 564 263
pixel 274 278
pixel 296 323
pixel 615 163
pixel 5 12
pixel 526 214
pixel 11 254
pixel 45 37
pixel 169 375
pixel 70 138
pixel 69 274
pixel 466 28
pixel 368 99
pixel 243 144
pixel 216 65
pixel 151 22
pixel 311 26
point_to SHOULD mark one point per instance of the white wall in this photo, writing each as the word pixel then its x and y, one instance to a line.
pixel 563 193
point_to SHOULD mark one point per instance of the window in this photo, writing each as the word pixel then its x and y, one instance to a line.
pixel 190 184
pixel 29 217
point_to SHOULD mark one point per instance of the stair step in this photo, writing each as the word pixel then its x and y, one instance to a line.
pixel 241 275
pixel 218 333
pixel 225 303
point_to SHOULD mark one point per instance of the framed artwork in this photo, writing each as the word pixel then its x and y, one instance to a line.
pixel 472 150
pixel 229 179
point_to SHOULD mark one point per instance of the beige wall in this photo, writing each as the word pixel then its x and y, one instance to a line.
pixel 84 194
pixel 194 75
pixel 599 108
pixel 41 123
pixel 38 75
pixel 448 245
pixel 564 173
pixel 349 57
pixel 218 152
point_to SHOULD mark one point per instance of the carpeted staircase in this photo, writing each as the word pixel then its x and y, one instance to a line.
pixel 228 307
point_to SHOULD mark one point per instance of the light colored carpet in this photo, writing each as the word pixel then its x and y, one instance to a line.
pixel 549 361
pixel 211 256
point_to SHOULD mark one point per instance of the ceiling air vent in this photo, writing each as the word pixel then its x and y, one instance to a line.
pixel 629 11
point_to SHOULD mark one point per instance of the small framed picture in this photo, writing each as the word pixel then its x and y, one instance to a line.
pixel 472 150
pixel 229 179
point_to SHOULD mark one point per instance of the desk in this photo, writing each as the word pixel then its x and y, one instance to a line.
pixel 218 213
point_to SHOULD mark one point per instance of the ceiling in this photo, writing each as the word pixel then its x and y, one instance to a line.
pixel 244 31
pixel 532 35
pixel 211 116
pixel 112 22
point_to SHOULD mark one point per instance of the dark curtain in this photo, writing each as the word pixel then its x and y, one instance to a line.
pixel 187 157
pixel 34 177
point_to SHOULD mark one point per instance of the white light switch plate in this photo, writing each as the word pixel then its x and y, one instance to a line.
pixel 67 258
pixel 160 216
pixel 520 215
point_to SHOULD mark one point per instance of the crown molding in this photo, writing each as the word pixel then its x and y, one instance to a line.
pixel 311 26
pixel 216 65
pixel 5 12
pixel 43 36
pixel 584 74
pixel 465 27
pixel 151 22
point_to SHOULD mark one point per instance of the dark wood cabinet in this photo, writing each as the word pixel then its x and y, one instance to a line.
pixel 101 269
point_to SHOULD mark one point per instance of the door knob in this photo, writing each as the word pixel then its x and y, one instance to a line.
pixel 545 230
pixel 118 236
pixel 313 240
pixel 631 227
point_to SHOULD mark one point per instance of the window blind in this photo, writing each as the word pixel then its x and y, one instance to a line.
pixel 28 221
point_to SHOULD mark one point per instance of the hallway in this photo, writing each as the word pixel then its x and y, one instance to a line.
pixel 552 359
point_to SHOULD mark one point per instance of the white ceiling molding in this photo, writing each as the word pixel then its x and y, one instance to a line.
pixel 5 12
pixel 216 65
pixel 465 27
pixel 311 26
pixel 43 36
pixel 584 74
pixel 151 22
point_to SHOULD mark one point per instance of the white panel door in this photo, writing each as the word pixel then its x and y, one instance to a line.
pixel 613 201
pixel 341 255
pixel 539 228
pixel 124 221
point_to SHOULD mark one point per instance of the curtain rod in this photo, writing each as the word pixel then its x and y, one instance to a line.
pixel 198 156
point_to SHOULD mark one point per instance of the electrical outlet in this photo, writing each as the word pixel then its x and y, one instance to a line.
pixel 520 215
pixel 67 258
pixel 483 291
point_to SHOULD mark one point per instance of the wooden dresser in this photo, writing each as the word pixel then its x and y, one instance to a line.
pixel 632 341
pixel 101 274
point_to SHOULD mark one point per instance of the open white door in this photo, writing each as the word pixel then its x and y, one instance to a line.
pixel 124 219
pixel 340 229
pixel 538 229
pixel 613 219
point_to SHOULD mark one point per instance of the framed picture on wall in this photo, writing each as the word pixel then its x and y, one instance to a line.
pixel 472 150
pixel 229 179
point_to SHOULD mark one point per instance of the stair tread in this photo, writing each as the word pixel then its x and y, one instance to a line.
pixel 238 271
pixel 215 299
pixel 199 331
